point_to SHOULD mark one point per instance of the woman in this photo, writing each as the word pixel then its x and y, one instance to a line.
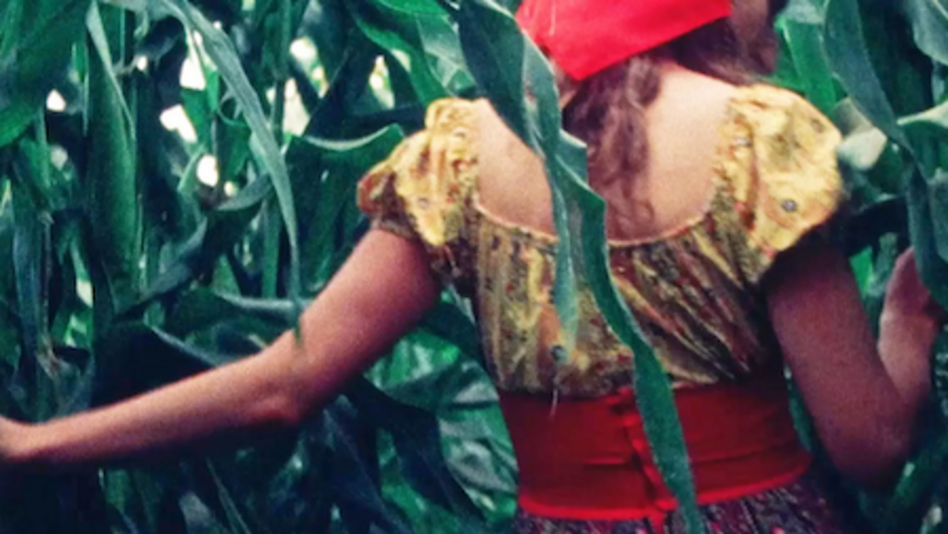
pixel 717 194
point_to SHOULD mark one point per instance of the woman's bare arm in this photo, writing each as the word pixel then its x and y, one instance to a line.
pixel 382 291
pixel 864 397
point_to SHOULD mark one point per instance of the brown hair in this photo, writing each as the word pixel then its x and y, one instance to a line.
pixel 607 110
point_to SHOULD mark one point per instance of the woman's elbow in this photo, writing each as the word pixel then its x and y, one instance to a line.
pixel 279 406
pixel 876 464
pixel 286 411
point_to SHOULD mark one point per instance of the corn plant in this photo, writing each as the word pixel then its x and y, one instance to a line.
pixel 159 228
pixel 878 70
pixel 178 179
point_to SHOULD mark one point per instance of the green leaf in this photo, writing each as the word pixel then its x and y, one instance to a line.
pixel 400 39
pixel 235 519
pixel 653 393
pixel 326 23
pixel 131 5
pixel 347 86
pixel 202 308
pixel 350 158
pixel 565 160
pixel 938 199
pixel 851 62
pixel 453 325
pixel 111 189
pixel 806 51
pixel 101 44
pixel 266 150
pixel 933 122
pixel 910 500
pixel 361 505
pixel 929 20
pixel 325 172
pixel 9 332
pixel 413 7
pixel 221 230
pixel 848 57
pixel 415 435
pixel 925 236
pixel 30 244
pixel 30 69
pixel 426 372
pixel 495 49
pixel 133 358
pixel 442 49
pixel 269 257
pixel 198 110
pixel 485 29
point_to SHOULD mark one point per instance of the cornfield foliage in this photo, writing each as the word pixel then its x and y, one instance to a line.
pixel 160 224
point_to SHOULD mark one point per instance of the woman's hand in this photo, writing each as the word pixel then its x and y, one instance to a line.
pixel 910 322
pixel 907 300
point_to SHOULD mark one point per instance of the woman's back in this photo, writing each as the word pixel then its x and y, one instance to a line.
pixel 683 127
pixel 736 176
pixel 720 198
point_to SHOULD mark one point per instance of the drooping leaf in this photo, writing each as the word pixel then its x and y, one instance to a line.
pixel 850 61
pixel 111 188
pixel 929 20
pixel 403 46
pixel 100 43
pixel 360 503
pixel 412 431
pixel 510 80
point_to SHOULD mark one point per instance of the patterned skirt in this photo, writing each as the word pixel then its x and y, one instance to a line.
pixel 799 508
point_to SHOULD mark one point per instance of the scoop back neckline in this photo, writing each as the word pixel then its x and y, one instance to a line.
pixel 688 225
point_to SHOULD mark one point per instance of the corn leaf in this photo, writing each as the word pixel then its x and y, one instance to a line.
pixel 32 65
pixel 111 189
pixel 267 151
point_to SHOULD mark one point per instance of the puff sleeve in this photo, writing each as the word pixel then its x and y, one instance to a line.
pixel 782 171
pixel 422 191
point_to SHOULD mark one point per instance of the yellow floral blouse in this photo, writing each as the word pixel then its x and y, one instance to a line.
pixel 695 291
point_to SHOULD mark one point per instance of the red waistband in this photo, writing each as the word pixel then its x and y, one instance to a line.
pixel 589 459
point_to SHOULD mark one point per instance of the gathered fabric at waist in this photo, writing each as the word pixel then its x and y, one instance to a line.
pixel 589 458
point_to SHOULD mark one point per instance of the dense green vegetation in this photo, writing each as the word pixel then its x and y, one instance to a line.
pixel 162 223
pixel 135 263
pixel 878 70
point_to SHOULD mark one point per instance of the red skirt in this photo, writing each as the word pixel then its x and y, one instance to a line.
pixel 589 460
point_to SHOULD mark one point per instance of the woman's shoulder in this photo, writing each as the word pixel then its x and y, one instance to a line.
pixel 779 162
pixel 421 190
pixel 475 128
pixel 777 112
pixel 511 182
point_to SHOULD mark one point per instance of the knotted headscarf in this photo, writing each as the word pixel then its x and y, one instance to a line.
pixel 584 37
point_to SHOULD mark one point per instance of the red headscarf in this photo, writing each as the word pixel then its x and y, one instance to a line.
pixel 584 37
